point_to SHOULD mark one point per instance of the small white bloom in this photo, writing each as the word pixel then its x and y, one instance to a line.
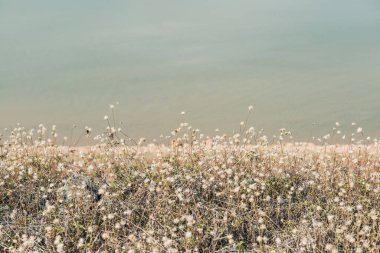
pixel 188 234
pixel 105 236
pixel 80 243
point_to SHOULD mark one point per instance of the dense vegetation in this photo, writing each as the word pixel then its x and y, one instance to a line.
pixel 220 194
pixel 206 197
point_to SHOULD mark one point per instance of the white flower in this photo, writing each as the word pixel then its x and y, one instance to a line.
pixel 105 236
pixel 80 243
pixel 188 234
pixel 167 242
pixel 329 247
pixel 106 117
pixel 250 108
pixel 350 238
pixel 60 248
pixel 359 130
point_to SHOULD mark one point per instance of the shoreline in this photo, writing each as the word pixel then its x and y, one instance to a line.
pixel 162 148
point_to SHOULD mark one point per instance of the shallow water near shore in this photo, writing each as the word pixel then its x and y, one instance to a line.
pixel 303 64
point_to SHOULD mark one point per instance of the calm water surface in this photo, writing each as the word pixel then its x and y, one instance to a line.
pixel 298 62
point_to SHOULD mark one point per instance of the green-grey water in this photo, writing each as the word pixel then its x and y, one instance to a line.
pixel 298 62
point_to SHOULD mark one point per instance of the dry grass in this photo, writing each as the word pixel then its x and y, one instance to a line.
pixel 220 194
